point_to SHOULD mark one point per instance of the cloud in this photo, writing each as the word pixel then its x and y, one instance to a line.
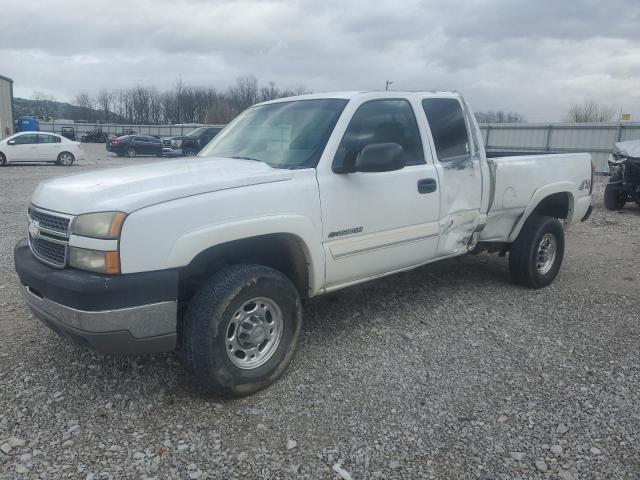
pixel 532 57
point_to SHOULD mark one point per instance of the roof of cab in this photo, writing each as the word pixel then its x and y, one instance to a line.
pixel 368 95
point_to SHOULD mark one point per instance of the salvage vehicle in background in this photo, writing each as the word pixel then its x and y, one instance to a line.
pixel 190 144
pixel 624 181
pixel 94 136
pixel 134 145
pixel 125 131
pixel 297 197
pixel 30 147
pixel 68 132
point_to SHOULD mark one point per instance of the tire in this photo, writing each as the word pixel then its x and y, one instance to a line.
pixel 3 160
pixel 211 344
pixel 614 199
pixel 189 152
pixel 65 159
pixel 131 152
pixel 536 255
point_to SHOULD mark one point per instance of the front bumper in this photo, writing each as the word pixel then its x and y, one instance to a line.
pixel 128 314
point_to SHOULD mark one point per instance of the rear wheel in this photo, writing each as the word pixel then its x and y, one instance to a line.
pixel 536 255
pixel 131 152
pixel 3 160
pixel 66 159
pixel 241 329
pixel 614 199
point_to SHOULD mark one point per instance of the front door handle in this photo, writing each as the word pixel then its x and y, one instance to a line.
pixel 427 185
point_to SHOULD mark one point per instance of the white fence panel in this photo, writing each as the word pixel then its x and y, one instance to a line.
pixel 597 139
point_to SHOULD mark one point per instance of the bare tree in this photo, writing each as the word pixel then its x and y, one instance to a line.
pixel 44 104
pixel 591 111
pixel 499 116
pixel 244 93
pixel 104 100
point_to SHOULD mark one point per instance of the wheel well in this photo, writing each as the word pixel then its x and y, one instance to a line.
pixel 281 251
pixel 557 205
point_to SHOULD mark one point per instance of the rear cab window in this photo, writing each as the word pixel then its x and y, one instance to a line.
pixel 448 128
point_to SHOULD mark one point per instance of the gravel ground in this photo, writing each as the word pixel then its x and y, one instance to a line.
pixel 446 372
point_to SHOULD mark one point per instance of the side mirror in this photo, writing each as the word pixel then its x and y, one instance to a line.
pixel 380 157
pixel 11 142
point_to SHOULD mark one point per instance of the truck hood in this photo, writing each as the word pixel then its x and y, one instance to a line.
pixel 130 188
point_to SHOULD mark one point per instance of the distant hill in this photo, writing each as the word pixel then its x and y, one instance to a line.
pixel 49 108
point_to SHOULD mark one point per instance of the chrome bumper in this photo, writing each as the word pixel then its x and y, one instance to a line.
pixel 128 331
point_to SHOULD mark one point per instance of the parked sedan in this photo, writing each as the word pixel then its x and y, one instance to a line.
pixel 133 145
pixel 39 147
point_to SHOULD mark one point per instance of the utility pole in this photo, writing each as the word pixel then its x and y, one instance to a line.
pixel 386 84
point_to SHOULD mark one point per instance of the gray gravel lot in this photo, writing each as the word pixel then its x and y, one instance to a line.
pixel 446 372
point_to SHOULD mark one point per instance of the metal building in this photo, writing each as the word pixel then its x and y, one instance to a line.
pixel 6 107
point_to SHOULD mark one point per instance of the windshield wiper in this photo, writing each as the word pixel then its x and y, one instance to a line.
pixel 240 157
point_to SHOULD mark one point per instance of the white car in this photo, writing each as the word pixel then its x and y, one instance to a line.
pixel 39 147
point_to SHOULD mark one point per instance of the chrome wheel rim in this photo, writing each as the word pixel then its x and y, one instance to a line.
pixel 254 332
pixel 65 159
pixel 131 152
pixel 546 254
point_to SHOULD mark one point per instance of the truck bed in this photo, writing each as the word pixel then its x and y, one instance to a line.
pixel 517 180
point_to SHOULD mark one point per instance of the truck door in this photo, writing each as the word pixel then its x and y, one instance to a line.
pixel 378 222
pixel 459 169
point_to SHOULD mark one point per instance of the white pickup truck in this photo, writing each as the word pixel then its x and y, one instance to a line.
pixel 212 255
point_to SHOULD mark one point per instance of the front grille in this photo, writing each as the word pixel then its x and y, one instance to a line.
pixel 52 253
pixel 49 236
pixel 632 171
pixel 50 222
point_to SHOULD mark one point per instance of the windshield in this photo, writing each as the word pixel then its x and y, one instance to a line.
pixel 283 135
pixel 197 132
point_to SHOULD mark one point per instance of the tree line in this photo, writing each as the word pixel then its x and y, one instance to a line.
pixel 181 104
pixel 147 105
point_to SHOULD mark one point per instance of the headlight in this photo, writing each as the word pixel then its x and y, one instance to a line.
pixel 94 260
pixel 104 225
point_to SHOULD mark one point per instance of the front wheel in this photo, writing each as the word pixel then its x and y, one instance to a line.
pixel 536 255
pixel 614 199
pixel 3 160
pixel 189 152
pixel 241 329
pixel 131 152
pixel 65 159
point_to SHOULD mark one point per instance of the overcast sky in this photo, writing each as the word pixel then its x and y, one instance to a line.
pixel 529 56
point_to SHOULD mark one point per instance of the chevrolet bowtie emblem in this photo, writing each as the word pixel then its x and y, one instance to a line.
pixel 34 228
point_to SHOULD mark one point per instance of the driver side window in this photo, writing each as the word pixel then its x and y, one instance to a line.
pixel 382 121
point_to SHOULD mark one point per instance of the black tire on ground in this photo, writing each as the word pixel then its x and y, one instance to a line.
pixel 131 152
pixel 3 160
pixel 208 328
pixel 65 159
pixel 530 263
pixel 189 152
pixel 614 199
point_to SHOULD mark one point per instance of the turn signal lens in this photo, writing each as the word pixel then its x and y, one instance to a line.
pixel 94 260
